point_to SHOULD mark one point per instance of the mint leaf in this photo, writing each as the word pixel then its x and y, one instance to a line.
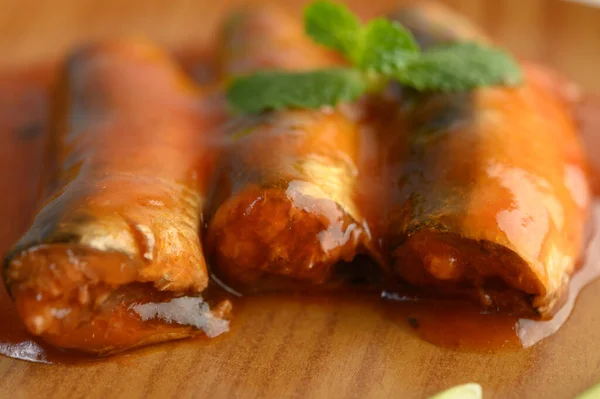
pixel 460 67
pixel 465 391
pixel 380 46
pixel 277 90
pixel 379 51
pixel 334 26
pixel 387 47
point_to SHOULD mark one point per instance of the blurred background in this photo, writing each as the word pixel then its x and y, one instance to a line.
pixel 564 34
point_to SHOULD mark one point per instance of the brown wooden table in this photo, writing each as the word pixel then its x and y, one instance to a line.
pixel 563 34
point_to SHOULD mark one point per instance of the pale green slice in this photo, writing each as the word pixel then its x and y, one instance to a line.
pixel 466 391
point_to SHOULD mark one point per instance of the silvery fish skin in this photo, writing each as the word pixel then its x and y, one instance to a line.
pixel 490 196
pixel 121 220
pixel 284 210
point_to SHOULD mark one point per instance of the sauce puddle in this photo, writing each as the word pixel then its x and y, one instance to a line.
pixel 461 325
pixel 451 324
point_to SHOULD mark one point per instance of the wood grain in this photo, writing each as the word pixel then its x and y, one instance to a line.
pixel 301 348
pixel 563 34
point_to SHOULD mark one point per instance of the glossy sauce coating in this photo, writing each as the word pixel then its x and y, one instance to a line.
pixel 448 324
pixel 284 206
pixel 439 322
pixel 492 197
pixel 267 38
pixel 120 224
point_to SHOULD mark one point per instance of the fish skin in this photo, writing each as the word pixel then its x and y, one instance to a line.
pixel 484 205
pixel 124 201
pixel 284 208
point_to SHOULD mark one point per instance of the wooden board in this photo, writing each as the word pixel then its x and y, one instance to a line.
pixel 304 349
pixel 564 34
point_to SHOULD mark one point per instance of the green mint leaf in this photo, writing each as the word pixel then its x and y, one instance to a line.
pixel 379 51
pixel 466 391
pixel 334 26
pixel 276 90
pixel 387 47
pixel 460 67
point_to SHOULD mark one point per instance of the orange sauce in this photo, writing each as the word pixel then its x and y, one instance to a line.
pixel 452 324
pixel 23 111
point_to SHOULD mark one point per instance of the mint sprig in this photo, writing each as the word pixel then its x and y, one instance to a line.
pixel 379 51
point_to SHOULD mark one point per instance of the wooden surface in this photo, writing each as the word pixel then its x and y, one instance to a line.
pixel 330 350
pixel 563 34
